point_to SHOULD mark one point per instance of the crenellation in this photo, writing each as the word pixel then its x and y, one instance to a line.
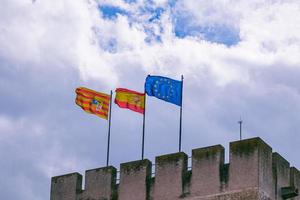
pixel 151 186
pixel 169 172
pixel 265 170
pixel 281 174
pixel 224 175
pixel 207 163
pixel 100 183
pixel 251 166
pixel 186 179
pixel 253 173
pixel 66 187
pixel 295 180
pixel 135 180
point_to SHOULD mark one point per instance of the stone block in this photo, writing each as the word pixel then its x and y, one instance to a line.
pixel 251 166
pixel 66 187
pixel 135 180
pixel 207 164
pixel 100 184
pixel 169 176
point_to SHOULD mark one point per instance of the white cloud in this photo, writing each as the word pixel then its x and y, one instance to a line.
pixel 53 32
pixel 41 35
pixel 269 34
pixel 57 162
pixel 25 186
pixel 5 124
pixel 11 127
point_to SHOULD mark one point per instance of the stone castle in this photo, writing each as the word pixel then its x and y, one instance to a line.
pixel 254 172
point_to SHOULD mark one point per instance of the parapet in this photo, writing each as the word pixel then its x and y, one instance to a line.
pixel 253 172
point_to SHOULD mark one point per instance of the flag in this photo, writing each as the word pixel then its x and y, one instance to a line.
pixel 164 88
pixel 131 100
pixel 93 102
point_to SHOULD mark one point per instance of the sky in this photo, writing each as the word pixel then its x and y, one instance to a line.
pixel 239 59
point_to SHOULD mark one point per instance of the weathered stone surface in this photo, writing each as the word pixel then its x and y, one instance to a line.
pixel 251 166
pixel 295 180
pixel 254 173
pixel 206 175
pixel 100 183
pixel 66 187
pixel 135 180
pixel 281 174
pixel 250 194
pixel 169 172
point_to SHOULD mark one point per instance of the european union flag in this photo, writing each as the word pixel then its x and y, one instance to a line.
pixel 164 88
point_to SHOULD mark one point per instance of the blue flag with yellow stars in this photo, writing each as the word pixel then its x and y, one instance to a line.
pixel 164 88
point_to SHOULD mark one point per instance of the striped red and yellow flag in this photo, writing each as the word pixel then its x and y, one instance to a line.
pixel 93 102
pixel 132 100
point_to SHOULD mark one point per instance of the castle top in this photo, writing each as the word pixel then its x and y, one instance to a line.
pixel 253 172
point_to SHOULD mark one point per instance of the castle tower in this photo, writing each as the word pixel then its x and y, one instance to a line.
pixel 254 172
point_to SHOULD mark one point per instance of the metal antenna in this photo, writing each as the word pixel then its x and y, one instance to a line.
pixel 240 122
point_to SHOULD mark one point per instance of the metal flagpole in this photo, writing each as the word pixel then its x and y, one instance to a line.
pixel 240 122
pixel 144 118
pixel 109 124
pixel 180 124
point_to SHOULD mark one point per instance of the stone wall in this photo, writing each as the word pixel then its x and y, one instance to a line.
pixel 253 172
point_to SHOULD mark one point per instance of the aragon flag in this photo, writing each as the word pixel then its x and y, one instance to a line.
pixel 131 100
pixel 93 102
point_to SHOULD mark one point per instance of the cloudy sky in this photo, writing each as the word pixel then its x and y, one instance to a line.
pixel 239 58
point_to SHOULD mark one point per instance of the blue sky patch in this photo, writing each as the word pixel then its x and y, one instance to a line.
pixel 222 34
pixel 172 3
pixel 110 12
pixel 130 1
pixel 156 14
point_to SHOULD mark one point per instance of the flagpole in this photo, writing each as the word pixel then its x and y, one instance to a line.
pixel 180 124
pixel 109 124
pixel 144 117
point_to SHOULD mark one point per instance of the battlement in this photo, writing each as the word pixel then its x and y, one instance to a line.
pixel 253 172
